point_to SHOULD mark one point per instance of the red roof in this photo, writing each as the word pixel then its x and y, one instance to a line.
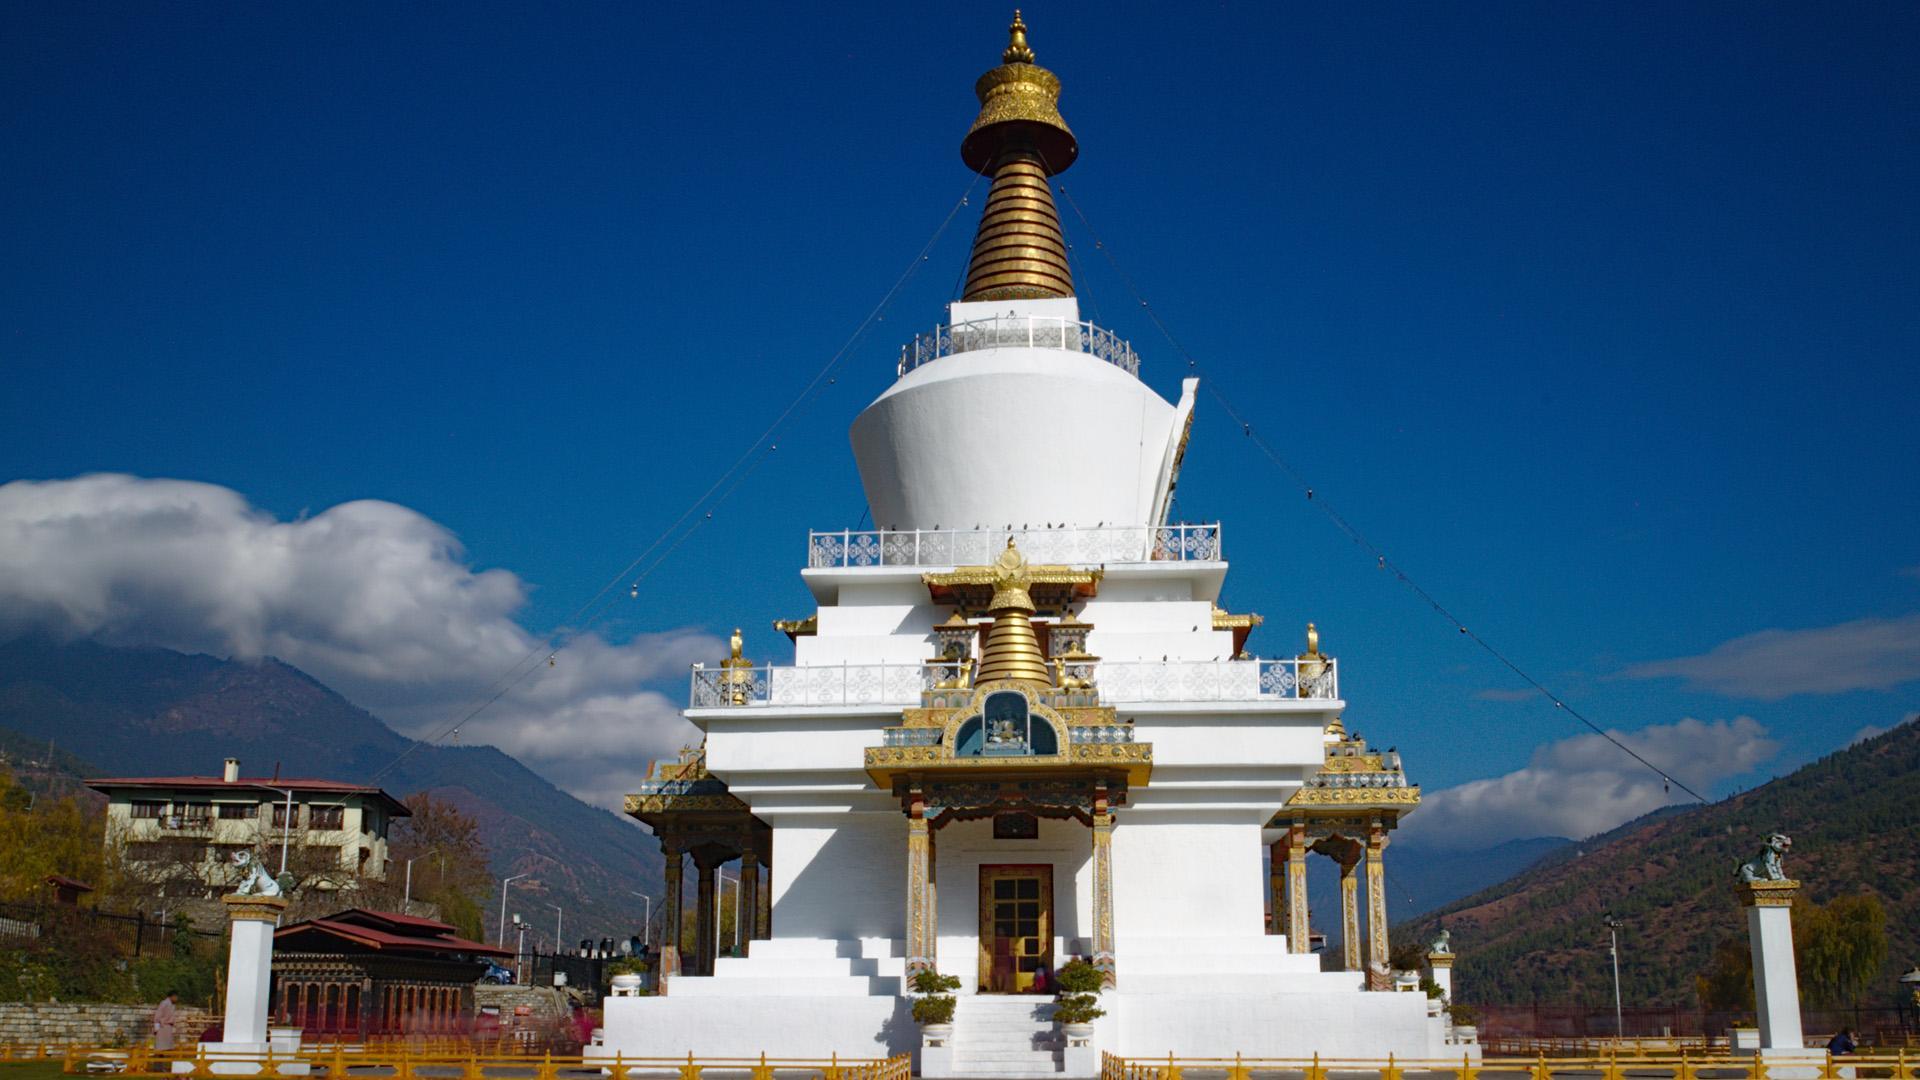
pixel 63 881
pixel 390 931
pixel 307 785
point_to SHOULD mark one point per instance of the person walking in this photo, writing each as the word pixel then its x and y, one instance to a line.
pixel 166 1022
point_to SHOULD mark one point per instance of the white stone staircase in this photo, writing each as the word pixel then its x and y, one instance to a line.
pixel 1005 1036
pixel 805 967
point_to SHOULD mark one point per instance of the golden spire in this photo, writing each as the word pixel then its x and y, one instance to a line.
pixel 1020 140
pixel 1012 651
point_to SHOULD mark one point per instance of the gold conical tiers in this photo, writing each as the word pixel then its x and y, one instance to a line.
pixel 1012 651
pixel 1020 138
pixel 1019 252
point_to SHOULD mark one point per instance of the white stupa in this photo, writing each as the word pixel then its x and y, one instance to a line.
pixel 1019 730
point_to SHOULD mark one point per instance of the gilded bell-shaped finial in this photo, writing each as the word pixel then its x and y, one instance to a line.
pixel 1018 52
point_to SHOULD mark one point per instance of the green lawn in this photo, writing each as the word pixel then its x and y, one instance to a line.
pixel 30 1070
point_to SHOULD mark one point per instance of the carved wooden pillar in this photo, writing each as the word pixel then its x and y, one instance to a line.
pixel 704 926
pixel 1276 886
pixel 1103 957
pixel 763 917
pixel 1377 948
pixel 746 908
pixel 1298 925
pixel 1349 915
pixel 920 949
pixel 670 919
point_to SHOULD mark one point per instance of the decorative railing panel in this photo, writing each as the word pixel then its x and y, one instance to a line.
pixel 1117 681
pixel 1070 546
pixel 1020 331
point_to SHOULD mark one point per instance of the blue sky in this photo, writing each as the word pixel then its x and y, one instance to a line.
pixel 1600 319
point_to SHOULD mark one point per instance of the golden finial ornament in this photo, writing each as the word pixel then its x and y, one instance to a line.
pixel 1020 139
pixel 1313 641
pixel 1018 51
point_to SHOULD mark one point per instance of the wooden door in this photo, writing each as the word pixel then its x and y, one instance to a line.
pixel 1016 927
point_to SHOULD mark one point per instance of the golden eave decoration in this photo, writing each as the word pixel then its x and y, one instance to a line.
pixel 1084 741
pixel 1011 582
pixel 798 628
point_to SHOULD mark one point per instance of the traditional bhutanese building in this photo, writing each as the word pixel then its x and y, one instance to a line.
pixel 1019 729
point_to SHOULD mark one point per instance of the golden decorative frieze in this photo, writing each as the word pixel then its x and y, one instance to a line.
pixel 671 804
pixel 1355 796
pixel 255 908
pixel 1766 893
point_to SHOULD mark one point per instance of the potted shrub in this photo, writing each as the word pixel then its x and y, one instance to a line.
pixel 1466 1021
pixel 1076 1000
pixel 933 1008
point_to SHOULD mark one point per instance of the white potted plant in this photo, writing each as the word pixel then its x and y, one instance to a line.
pixel 1076 1000
pixel 933 1009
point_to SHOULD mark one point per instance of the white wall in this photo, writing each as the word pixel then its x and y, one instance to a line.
pixel 964 846
pixel 840 876
pixel 1178 878
pixel 954 444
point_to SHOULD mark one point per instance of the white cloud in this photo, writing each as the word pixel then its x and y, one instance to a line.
pixel 1871 731
pixel 372 598
pixel 1585 785
pixel 1865 654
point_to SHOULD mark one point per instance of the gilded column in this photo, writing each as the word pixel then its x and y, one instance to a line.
pixel 670 918
pixel 747 907
pixel 1377 948
pixel 919 849
pixel 1103 894
pixel 1298 929
pixel 704 926
pixel 1349 916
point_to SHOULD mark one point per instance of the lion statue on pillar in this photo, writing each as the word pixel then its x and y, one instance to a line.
pixel 1766 865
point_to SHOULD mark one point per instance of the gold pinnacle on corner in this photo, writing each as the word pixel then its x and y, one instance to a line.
pixel 1019 138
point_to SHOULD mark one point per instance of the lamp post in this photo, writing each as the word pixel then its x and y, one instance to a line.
pixel 286 830
pixel 406 897
pixel 559 914
pixel 646 928
pixel 501 939
pixel 1613 936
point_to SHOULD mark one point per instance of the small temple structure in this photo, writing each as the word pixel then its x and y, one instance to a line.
pixel 359 972
pixel 1020 729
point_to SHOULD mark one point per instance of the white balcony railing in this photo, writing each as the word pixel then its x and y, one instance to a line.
pixel 1120 682
pixel 1073 546
pixel 1020 331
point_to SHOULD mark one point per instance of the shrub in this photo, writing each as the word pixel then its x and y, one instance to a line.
pixel 935 1004
pixel 1079 984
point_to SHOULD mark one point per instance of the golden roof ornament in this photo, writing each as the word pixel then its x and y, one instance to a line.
pixel 1020 139
pixel 1012 651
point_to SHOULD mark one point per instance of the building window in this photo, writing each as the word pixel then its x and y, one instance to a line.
pixel 280 816
pixel 234 811
pixel 148 808
pixel 1016 827
pixel 146 851
pixel 326 817
pixel 194 813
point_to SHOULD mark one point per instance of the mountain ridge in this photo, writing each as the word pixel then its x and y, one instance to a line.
pixel 1538 936
pixel 155 711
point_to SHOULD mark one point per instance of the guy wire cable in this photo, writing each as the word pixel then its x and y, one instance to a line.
pixel 571 627
pixel 1347 527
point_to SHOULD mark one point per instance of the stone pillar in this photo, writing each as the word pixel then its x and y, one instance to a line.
pixel 670 918
pixel 1441 965
pixel 1377 949
pixel 1298 926
pixel 1276 887
pixel 746 908
pixel 251 921
pixel 1776 989
pixel 920 950
pixel 1350 916
pixel 1103 894
pixel 704 923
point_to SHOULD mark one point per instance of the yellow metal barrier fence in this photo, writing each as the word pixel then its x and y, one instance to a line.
pixel 401 1062
pixel 1895 1065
